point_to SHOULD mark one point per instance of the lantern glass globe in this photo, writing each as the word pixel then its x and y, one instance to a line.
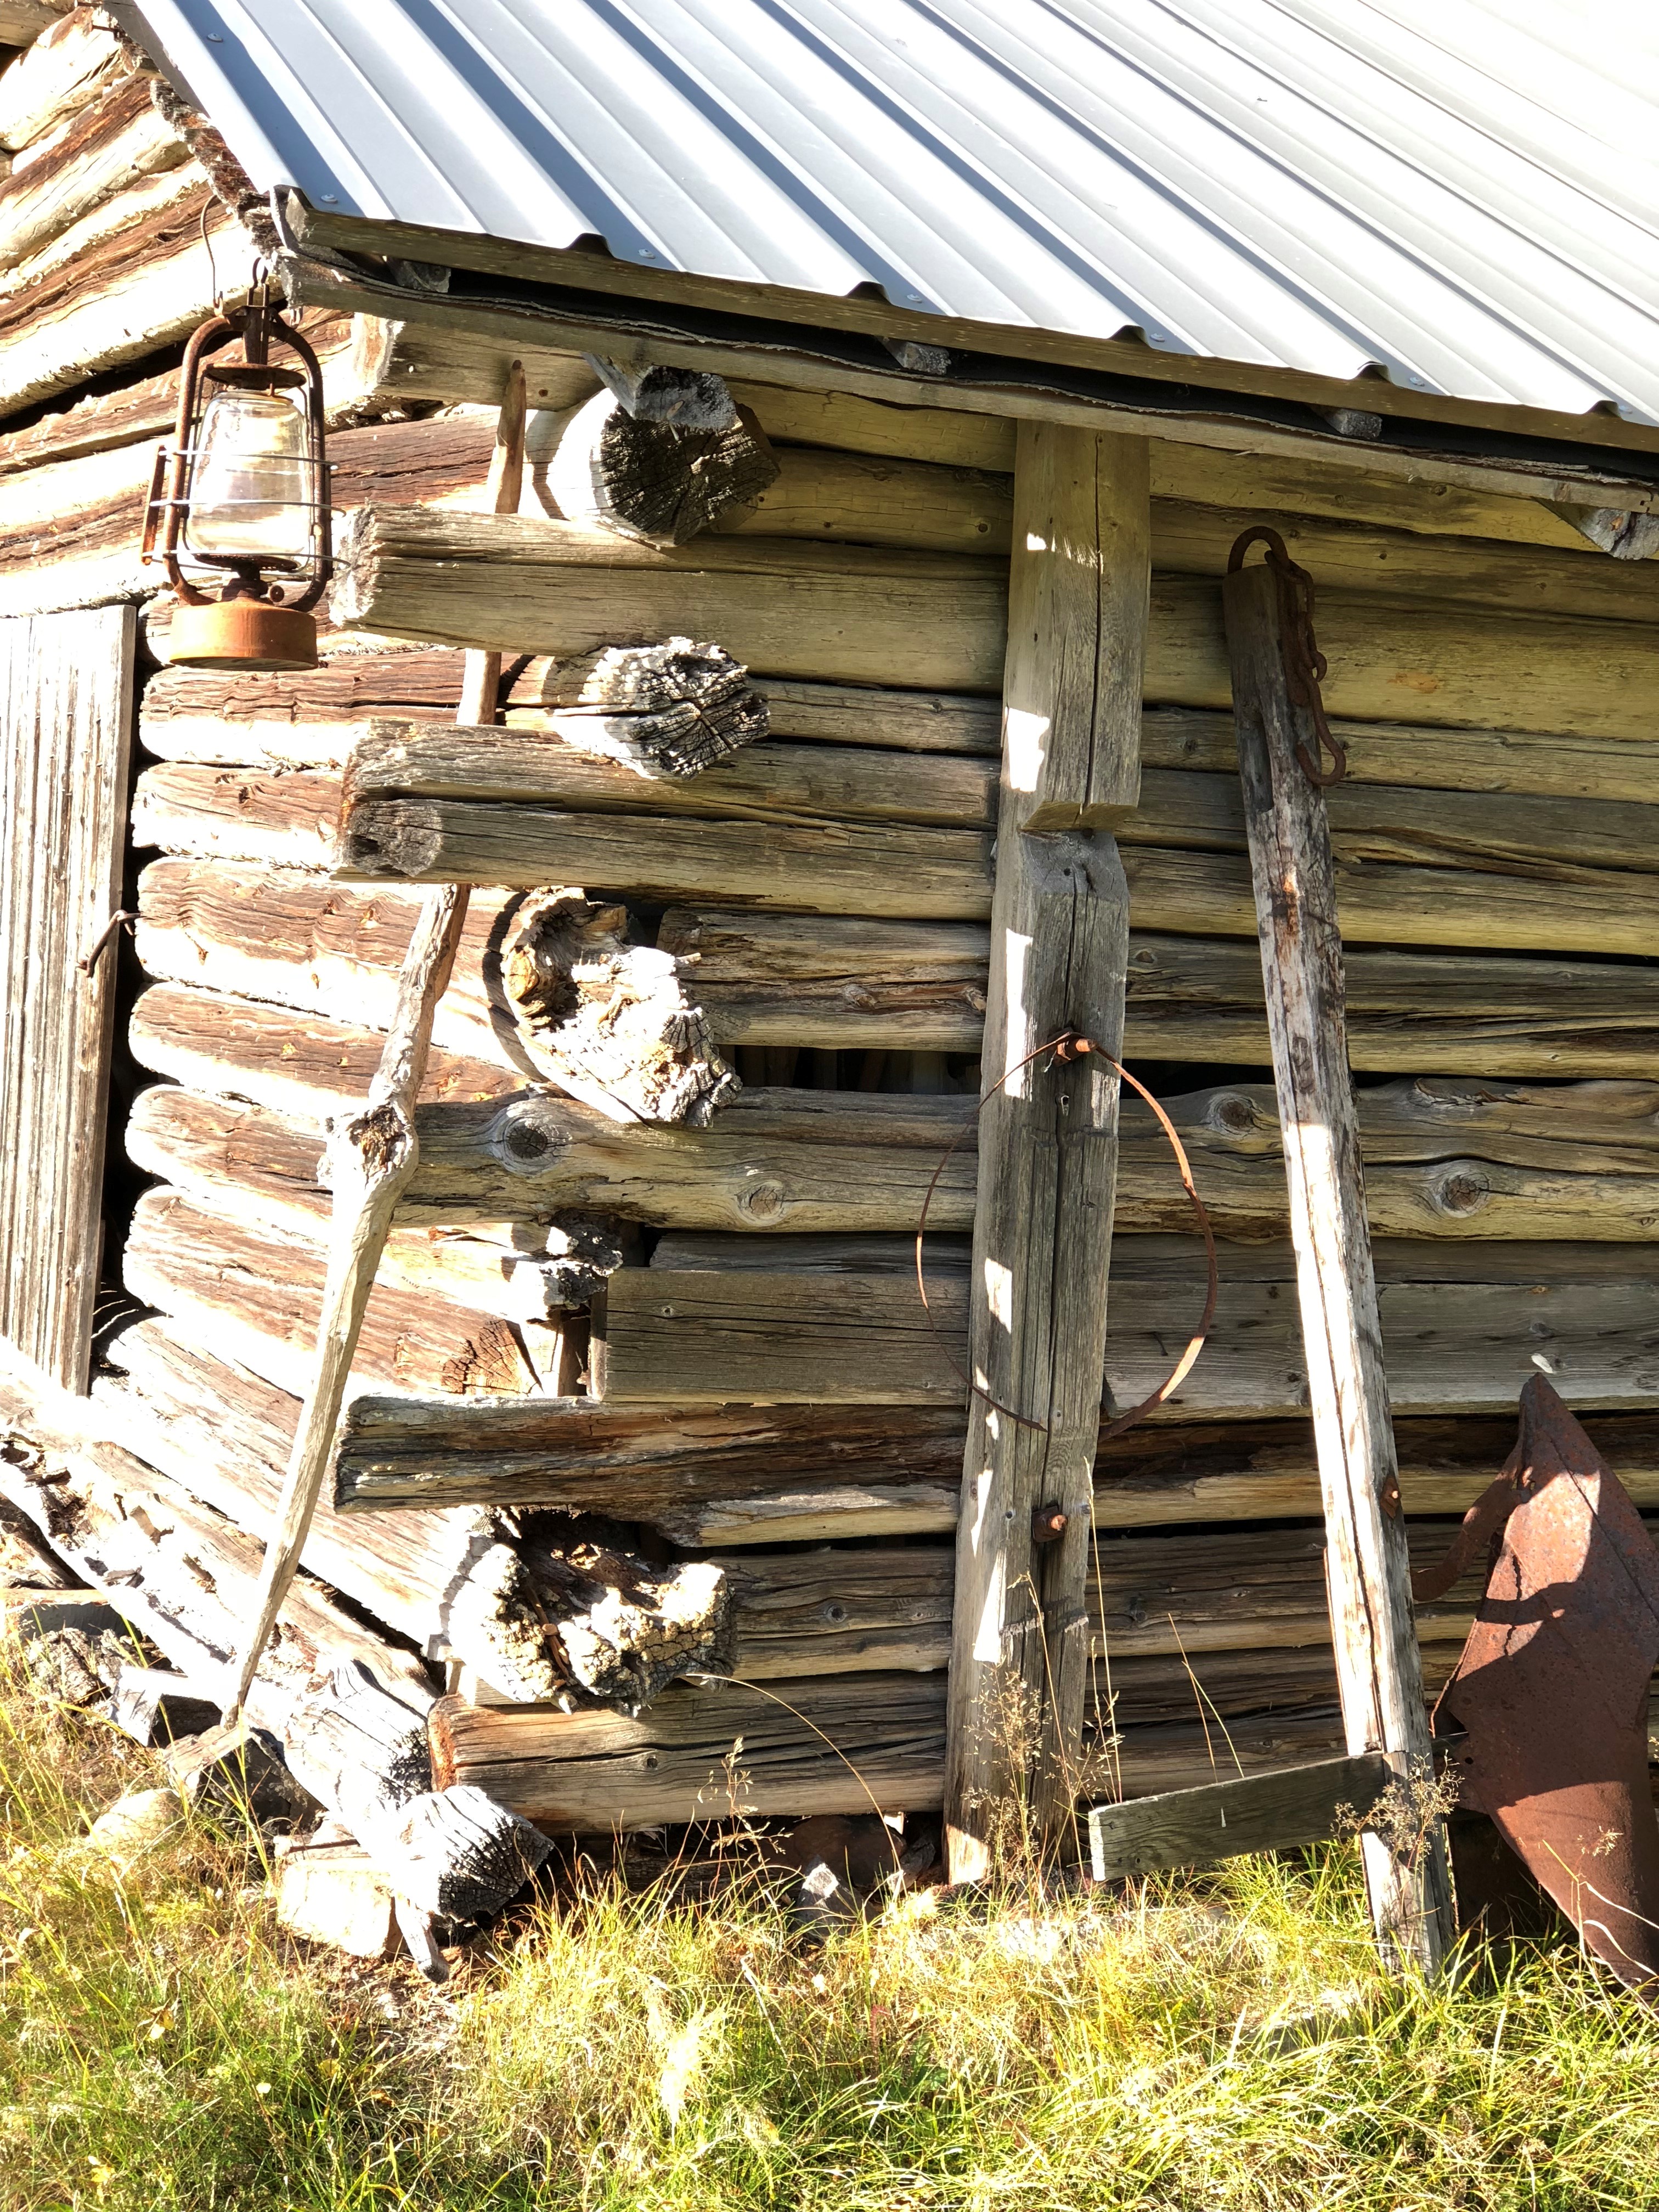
pixel 251 490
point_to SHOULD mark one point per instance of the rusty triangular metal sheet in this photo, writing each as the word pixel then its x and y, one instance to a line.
pixel 1552 1686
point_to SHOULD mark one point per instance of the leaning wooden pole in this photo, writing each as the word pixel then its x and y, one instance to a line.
pixel 1368 1570
pixel 374 1155
pixel 1047 1138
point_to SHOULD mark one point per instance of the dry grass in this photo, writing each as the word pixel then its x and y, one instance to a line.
pixel 1228 2045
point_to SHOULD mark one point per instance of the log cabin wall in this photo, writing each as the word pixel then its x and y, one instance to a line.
pixel 705 1343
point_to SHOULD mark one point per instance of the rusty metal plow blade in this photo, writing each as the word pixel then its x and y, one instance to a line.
pixel 1552 1688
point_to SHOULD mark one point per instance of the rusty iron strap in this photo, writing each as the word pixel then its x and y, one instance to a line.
pixel 1071 1044
pixel 1304 664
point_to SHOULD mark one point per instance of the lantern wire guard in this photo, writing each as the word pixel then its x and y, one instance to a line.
pixel 250 622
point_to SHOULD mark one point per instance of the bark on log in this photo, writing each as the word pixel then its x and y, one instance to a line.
pixel 662 482
pixel 262 1299
pixel 609 1022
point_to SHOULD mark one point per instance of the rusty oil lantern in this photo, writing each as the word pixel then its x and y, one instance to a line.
pixel 241 498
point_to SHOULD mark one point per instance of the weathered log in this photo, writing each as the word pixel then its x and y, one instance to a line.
pixel 1347 1383
pixel 149 407
pixel 261 1299
pixel 21 22
pixel 1507 670
pixel 665 482
pixel 60 73
pixel 832 982
pixel 705 1754
pixel 768 979
pixel 679 398
pixel 147 200
pixel 823 867
pixel 735 1475
pixel 123 136
pixel 487 1588
pixel 234 1046
pixel 821 784
pixel 659 710
pixel 609 1022
pixel 305 719
pixel 121 298
pixel 1447 1159
pixel 1463 1325
pixel 849 498
pixel 444 360
pixel 846 613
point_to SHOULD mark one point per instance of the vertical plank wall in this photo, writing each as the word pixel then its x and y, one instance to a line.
pixel 66 702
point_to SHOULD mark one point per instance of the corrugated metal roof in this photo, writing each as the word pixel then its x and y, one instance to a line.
pixel 1461 192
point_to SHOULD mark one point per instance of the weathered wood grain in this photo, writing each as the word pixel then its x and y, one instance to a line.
pixel 704 1753
pixel 65 718
pixel 1463 1326
pixel 124 135
pixel 259 1298
pixel 1367 1563
pixel 1252 1813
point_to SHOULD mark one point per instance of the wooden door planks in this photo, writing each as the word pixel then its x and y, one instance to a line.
pixel 1367 1561
pixel 66 724
pixel 1048 1133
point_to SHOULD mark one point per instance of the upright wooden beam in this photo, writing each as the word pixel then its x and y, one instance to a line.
pixel 1368 1567
pixel 1047 1136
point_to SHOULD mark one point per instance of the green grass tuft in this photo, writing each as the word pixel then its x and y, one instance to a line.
pixel 1223 2044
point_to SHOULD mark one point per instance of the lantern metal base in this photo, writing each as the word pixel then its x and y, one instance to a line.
pixel 250 634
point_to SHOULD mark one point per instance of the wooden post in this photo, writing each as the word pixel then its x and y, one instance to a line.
pixel 1047 1135
pixel 1368 1571
pixel 376 1154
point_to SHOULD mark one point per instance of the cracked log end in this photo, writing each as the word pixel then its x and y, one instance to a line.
pixel 608 1020
pixel 661 710
pixel 662 481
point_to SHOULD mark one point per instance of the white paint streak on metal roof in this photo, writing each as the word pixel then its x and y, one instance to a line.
pixel 1462 193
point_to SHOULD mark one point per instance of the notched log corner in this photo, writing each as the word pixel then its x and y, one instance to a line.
pixel 661 710
pixel 608 1020
pixel 564 1618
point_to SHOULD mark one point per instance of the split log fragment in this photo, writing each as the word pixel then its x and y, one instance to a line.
pixel 662 480
pixel 575 1622
pixel 608 1021
pixel 62 72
